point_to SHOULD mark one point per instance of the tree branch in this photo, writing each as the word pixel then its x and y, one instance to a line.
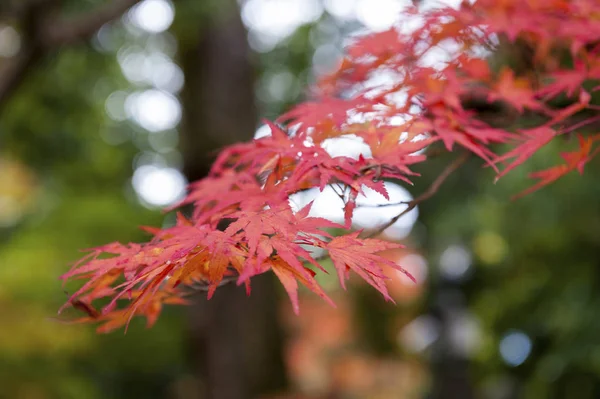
pixel 13 71
pixel 204 286
pixel 71 30
pixel 430 192
pixel 43 31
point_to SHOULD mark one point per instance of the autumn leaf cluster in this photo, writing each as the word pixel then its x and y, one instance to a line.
pixel 401 92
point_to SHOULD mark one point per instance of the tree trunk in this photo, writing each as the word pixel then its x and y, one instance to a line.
pixel 235 340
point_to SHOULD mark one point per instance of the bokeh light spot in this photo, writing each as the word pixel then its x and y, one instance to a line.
pixel 515 347
pixel 153 16
pixel 157 186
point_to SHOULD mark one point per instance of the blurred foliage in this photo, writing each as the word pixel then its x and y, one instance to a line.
pixel 535 270
pixel 64 188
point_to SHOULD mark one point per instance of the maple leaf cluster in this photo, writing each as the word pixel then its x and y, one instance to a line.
pixel 400 91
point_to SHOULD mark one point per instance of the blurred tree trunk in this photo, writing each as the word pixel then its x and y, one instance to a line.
pixel 235 340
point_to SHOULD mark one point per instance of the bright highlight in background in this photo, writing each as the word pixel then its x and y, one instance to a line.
pixel 271 21
pixel 367 215
pixel 154 110
pixel 455 262
pixel 419 334
pixel 158 187
pixel 10 41
pixel 515 348
pixel 379 15
pixel 153 16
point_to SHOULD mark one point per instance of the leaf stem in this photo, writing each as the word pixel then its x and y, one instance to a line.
pixel 430 192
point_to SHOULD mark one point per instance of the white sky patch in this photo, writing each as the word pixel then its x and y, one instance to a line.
pixel 262 131
pixel 383 80
pixel 153 16
pixel 341 9
pixel 369 215
pixel 154 110
pixel 379 15
pixel 437 57
pixel 329 205
pixel 271 21
pixel 432 4
pixel 348 145
pixel 157 186
pixel 410 24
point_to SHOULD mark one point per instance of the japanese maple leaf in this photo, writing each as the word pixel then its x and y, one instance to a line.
pixel 149 307
pixel 279 144
pixel 144 267
pixel 566 81
pixel 323 114
pixel 534 139
pixel 564 113
pixel 345 171
pixel 383 44
pixel 213 195
pixel 250 183
pixel 325 169
pixel 451 135
pixel 349 252
pixel 475 67
pixel 387 149
pixel 281 231
pixel 218 253
pixel 515 91
pixel 289 277
pixel 574 160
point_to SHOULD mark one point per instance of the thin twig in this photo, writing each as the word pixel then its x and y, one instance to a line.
pixel 30 16
pixel 341 193
pixel 205 286
pixel 83 26
pixel 582 124
pixel 451 168
pixel 430 192
pixel 382 205
pixel 44 31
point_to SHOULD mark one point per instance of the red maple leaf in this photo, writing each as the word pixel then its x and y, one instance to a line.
pixel 574 160
pixel 250 184
pixel 349 252
pixel 533 140
pixel 515 91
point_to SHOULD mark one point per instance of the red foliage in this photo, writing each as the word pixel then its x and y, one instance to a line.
pixel 250 183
